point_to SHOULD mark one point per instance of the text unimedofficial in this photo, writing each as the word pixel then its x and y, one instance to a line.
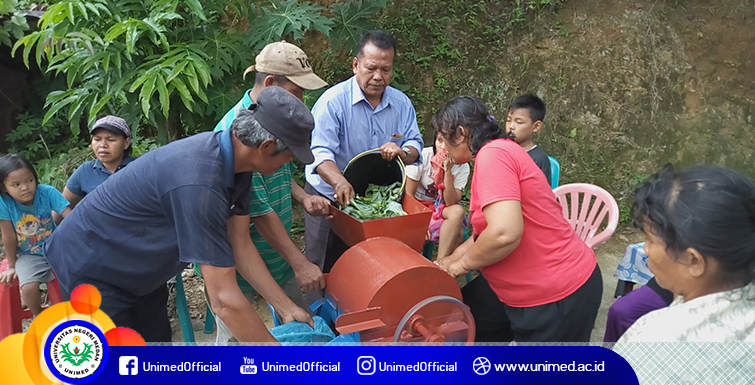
pixel 182 367
pixel 302 367
pixel 418 367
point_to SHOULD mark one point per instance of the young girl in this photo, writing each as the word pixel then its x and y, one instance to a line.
pixel 441 192
pixel 26 222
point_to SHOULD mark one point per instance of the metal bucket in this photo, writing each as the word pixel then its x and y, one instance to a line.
pixel 369 167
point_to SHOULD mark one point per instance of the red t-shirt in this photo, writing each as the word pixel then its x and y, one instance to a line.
pixel 551 261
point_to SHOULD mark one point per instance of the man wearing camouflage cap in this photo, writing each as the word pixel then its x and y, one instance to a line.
pixel 186 202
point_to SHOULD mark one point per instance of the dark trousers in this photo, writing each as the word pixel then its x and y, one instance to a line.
pixel 148 317
pixel 568 320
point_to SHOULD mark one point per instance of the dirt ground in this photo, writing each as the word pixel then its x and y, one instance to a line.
pixel 609 254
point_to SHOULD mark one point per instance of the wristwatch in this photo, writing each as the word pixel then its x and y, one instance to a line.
pixel 407 150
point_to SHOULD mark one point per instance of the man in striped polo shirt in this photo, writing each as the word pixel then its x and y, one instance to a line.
pixel 284 65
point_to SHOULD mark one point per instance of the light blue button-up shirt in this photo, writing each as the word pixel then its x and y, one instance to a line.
pixel 347 125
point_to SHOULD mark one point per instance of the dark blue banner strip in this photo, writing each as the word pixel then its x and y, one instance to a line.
pixel 365 365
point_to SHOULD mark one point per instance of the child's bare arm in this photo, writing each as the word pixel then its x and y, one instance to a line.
pixel 10 243
pixel 60 216
pixel 72 199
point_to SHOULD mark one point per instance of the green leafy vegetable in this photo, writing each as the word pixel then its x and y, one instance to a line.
pixel 377 202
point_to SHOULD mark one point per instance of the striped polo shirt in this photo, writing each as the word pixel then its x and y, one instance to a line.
pixel 269 194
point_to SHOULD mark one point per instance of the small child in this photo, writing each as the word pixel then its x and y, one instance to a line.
pixel 525 118
pixel 440 190
pixel 26 222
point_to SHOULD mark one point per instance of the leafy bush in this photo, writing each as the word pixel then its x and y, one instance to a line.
pixel 141 146
pixel 172 63
pixel 36 140
pixel 55 171
pixel 13 22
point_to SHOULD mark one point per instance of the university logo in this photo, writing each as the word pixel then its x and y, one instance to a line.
pixel 76 352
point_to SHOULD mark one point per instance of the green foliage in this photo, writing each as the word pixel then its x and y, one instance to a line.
pixel 297 227
pixel 559 83
pixel 56 171
pixel 123 53
pixel 172 64
pixel 630 179
pixel 625 213
pixel 563 31
pixel 287 17
pixel 35 140
pixel 6 6
pixel 440 81
pixel 353 20
pixel 13 22
pixel 377 202
pixel 311 96
pixel 443 42
pixel 141 146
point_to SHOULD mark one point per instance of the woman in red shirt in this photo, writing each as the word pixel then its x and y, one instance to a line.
pixel 540 282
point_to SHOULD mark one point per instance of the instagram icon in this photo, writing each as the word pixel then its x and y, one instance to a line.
pixel 366 365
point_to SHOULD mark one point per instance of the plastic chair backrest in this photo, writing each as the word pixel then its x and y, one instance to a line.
pixel 586 214
pixel 555 171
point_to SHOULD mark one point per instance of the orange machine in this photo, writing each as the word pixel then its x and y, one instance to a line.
pixel 385 291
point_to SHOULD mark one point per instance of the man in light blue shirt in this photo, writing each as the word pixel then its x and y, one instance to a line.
pixel 359 114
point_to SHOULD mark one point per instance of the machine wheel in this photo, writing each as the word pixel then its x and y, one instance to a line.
pixel 439 319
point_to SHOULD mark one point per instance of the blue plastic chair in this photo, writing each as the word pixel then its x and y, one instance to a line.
pixel 555 171
pixel 182 309
pixel 209 319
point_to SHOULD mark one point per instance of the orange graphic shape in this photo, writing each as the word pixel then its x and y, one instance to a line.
pixel 22 356
pixel 86 299
pixel 12 361
pixel 124 337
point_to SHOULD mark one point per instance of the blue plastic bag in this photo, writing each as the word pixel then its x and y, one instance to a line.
pixel 299 332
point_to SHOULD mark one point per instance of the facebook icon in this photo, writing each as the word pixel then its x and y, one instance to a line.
pixel 128 365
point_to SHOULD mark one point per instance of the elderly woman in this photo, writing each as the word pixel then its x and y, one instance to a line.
pixel 111 143
pixel 540 282
pixel 699 227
